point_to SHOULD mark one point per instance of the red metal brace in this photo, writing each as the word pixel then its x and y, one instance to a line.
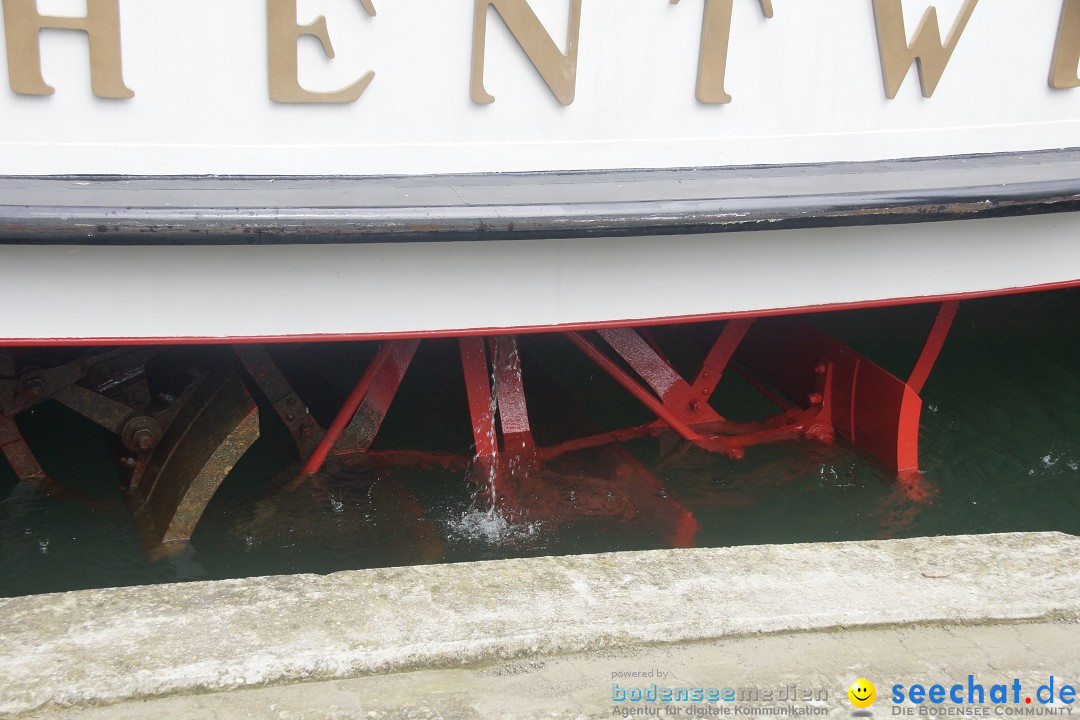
pixel 360 418
pixel 365 423
pixel 932 348
pixel 474 363
pixel 674 392
pixel 501 391
pixel 510 397
pixel 719 357
pixel 315 462
pixel 689 402
pixel 660 409
pixel 498 389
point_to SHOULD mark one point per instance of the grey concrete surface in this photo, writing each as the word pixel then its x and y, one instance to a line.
pixel 107 646
pixel 580 686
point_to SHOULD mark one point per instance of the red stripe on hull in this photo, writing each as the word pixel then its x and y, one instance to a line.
pixel 519 330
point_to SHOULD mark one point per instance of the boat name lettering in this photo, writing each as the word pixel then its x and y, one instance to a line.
pixel 23 23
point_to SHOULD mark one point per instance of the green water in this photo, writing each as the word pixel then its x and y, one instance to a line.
pixel 999 449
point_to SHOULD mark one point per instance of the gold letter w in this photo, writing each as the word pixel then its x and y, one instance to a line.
pixel 933 55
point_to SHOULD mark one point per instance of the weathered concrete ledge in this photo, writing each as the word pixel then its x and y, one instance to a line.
pixel 104 646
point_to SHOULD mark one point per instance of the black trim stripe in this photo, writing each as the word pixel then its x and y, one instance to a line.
pixel 209 210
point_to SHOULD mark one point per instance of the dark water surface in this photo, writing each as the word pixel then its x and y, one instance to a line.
pixel 999 448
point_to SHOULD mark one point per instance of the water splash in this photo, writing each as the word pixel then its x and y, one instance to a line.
pixel 490 527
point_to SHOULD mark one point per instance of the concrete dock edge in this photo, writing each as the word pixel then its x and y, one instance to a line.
pixel 104 646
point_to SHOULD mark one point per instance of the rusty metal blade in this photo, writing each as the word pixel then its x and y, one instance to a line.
pixel 214 429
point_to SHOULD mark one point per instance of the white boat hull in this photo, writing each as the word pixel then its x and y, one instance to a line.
pixel 94 294
pixel 127 213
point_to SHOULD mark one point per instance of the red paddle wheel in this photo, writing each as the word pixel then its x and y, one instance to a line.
pixel 183 430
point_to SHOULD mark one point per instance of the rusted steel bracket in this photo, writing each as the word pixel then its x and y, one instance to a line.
pixel 305 430
pixel 180 449
pixel 139 432
pixel 24 388
pixel 18 453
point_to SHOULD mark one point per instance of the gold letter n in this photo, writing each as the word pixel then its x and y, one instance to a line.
pixel 23 24
pixel 559 71
pixel 927 48
pixel 1063 73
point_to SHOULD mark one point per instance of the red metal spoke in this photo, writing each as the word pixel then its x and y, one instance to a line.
pixel 315 462
pixel 719 356
pixel 932 348
pixel 510 395
pixel 593 441
pixel 620 376
pixel 474 363
pixel 647 361
pixel 367 420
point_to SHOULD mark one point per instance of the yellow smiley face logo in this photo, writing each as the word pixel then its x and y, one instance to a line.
pixel 862 693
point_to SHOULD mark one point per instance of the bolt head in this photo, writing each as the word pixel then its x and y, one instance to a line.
pixel 821 433
pixel 35 387
pixel 141 434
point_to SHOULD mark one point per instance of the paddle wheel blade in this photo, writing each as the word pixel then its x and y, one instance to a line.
pixel 215 425
pixel 873 409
